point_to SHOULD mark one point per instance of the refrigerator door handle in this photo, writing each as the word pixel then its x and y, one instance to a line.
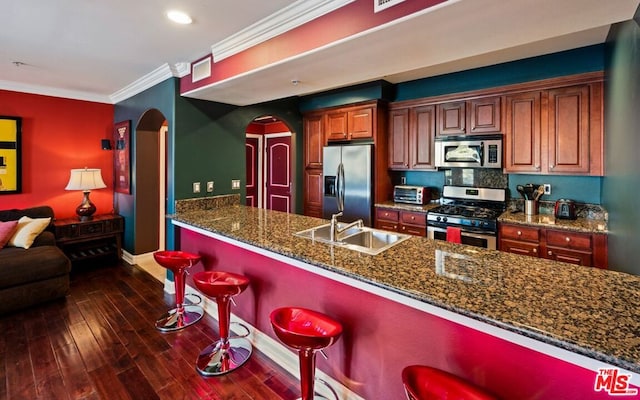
pixel 340 187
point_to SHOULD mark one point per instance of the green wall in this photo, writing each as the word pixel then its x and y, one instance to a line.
pixel 622 145
pixel 210 144
pixel 161 97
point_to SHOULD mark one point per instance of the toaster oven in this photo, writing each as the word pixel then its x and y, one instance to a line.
pixel 411 194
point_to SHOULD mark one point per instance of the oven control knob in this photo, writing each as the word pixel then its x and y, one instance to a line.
pixel 444 219
pixel 438 218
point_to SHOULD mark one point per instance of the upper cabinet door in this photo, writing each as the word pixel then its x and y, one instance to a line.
pixel 399 139
pixel 452 118
pixel 523 141
pixel 313 140
pixel 484 115
pixel 360 123
pixel 337 125
pixel 421 137
pixel 569 130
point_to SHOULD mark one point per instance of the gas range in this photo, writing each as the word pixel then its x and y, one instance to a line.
pixel 474 211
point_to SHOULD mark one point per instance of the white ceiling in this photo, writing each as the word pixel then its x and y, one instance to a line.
pixel 93 50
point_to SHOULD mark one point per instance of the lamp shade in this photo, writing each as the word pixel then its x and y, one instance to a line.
pixel 85 179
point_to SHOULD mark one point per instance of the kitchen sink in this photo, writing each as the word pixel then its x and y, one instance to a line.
pixel 322 233
pixel 363 239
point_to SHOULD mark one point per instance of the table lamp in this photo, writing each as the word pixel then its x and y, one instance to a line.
pixel 85 179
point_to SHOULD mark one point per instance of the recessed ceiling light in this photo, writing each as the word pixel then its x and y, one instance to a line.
pixel 179 17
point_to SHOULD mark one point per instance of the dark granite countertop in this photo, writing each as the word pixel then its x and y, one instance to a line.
pixel 407 207
pixel 589 311
pixel 550 221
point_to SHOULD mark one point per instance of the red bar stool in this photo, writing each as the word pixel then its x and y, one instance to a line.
pixel 426 383
pixel 182 315
pixel 227 353
pixel 307 331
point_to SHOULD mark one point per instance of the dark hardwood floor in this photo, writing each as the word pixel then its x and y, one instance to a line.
pixel 100 343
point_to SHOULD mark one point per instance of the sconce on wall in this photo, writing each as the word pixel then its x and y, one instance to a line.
pixel 106 144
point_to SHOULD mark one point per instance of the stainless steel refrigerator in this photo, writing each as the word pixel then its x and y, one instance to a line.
pixel 348 175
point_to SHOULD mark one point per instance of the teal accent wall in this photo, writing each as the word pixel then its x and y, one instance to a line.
pixel 353 94
pixel 622 145
pixel 581 60
pixel 583 189
pixel 161 97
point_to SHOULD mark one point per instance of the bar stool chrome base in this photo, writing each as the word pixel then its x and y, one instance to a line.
pixel 174 321
pixel 220 358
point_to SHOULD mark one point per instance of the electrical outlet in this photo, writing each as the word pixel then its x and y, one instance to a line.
pixel 210 186
pixel 547 188
pixel 196 187
pixel 403 180
pixel 235 184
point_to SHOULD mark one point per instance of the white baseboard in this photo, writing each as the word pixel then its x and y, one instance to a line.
pixel 276 351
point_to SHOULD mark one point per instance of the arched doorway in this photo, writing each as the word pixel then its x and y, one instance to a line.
pixel 269 164
pixel 150 189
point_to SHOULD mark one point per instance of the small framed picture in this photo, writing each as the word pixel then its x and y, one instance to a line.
pixel 122 154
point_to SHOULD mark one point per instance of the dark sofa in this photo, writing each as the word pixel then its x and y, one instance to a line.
pixel 34 275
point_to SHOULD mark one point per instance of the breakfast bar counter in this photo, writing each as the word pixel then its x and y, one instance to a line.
pixel 584 317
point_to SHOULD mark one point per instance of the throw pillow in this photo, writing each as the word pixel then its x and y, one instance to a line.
pixel 7 230
pixel 28 230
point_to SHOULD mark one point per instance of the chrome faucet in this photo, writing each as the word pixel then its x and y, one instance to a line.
pixel 334 226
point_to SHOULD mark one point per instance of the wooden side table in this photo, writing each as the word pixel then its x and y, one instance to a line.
pixel 83 240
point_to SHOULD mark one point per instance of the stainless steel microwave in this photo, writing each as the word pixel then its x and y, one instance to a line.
pixel 469 151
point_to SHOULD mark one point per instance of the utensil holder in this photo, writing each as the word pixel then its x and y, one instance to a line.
pixel 531 207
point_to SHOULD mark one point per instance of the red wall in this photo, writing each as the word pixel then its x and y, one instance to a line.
pixel 381 336
pixel 58 135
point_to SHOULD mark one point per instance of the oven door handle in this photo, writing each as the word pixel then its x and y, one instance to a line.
pixel 466 233
pixel 481 154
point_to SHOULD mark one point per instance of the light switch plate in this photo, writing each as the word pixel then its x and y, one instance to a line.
pixel 235 184
pixel 210 186
pixel 547 188
pixel 196 187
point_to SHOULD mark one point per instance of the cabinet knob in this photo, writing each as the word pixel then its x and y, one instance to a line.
pixel 413 218
pixel 537 168
pixel 549 253
pixel 534 250
pixel 404 228
pixel 519 233
pixel 552 166
pixel 568 239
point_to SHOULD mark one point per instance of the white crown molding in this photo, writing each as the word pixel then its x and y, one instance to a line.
pixel 292 16
pixel 153 78
pixel 54 92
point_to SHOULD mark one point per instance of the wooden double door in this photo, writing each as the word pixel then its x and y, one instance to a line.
pixel 269 179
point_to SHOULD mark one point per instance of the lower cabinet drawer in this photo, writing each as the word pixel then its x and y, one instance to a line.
pixel 569 240
pixel 517 232
pixel 387 215
pixel 522 248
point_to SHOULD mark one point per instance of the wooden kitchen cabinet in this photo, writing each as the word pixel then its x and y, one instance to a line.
pixel 555 131
pixel 388 220
pixel 411 138
pixel 411 222
pixel 313 143
pixel 520 240
pixel 364 122
pixel 350 123
pixel 471 117
pixel 587 249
